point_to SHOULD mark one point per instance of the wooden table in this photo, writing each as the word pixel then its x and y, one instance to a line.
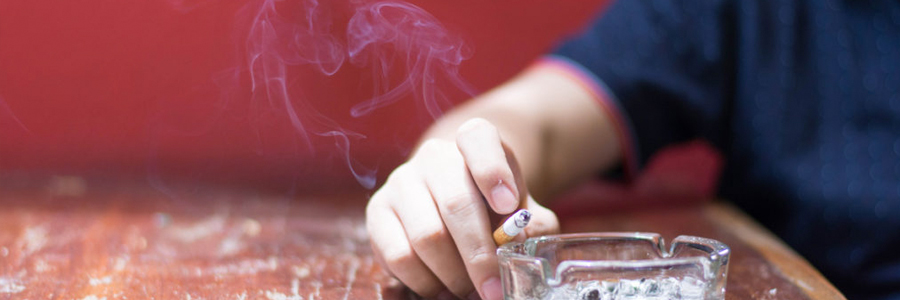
pixel 68 238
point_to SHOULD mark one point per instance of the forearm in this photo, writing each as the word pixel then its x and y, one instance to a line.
pixel 555 127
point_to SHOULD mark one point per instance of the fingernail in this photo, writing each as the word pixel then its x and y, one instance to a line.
pixel 504 199
pixel 492 290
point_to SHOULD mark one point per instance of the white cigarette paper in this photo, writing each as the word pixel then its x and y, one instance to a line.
pixel 512 227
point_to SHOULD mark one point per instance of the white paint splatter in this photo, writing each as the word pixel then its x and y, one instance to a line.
pixel 34 239
pixel 42 266
pixel 295 293
pixel 318 286
pixel 98 281
pixel 245 267
pixel 300 272
pixel 120 262
pixel 273 263
pixel 351 277
pixel 92 297
pixel 251 227
pixel 230 246
pixel 10 286
pixel 360 234
pixel 773 291
pixel 199 230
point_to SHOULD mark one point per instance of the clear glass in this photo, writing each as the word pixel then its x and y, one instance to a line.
pixel 613 266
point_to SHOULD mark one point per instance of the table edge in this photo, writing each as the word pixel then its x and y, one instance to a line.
pixel 792 265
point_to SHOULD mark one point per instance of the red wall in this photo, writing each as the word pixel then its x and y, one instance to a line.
pixel 149 88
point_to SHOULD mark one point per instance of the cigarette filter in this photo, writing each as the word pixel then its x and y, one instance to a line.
pixel 512 227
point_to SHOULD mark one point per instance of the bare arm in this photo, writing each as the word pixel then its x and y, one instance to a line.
pixel 554 126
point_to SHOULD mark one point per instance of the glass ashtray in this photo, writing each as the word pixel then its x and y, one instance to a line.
pixel 613 266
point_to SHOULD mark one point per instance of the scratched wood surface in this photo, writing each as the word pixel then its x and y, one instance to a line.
pixel 67 238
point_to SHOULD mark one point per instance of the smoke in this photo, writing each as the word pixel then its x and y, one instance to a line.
pixel 5 110
pixel 379 31
pixel 365 177
pixel 280 40
pixel 273 45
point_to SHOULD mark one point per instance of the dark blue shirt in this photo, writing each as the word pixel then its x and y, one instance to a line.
pixel 803 99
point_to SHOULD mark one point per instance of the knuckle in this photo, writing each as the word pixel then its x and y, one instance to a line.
pixel 426 287
pixel 462 204
pixel 375 202
pixel 461 285
pixel 434 153
pixel 375 212
pixel 475 124
pixel 432 145
pixel 479 256
pixel 459 281
pixel 404 262
pixel 399 259
pixel 381 202
pixel 491 172
pixel 428 236
pixel 398 175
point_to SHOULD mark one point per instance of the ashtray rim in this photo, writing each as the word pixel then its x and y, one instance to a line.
pixel 716 261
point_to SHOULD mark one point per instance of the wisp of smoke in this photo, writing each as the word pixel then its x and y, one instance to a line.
pixel 273 45
pixel 379 31
pixel 343 145
pixel 5 110
pixel 386 36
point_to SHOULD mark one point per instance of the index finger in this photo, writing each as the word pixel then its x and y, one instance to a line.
pixel 479 142
pixel 464 213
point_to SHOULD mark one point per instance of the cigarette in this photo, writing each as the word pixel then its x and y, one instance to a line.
pixel 512 227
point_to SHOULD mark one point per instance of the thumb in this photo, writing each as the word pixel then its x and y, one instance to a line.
pixel 543 220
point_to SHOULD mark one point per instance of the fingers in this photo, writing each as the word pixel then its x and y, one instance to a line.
pixel 391 244
pixel 466 218
pixel 430 224
pixel 430 238
pixel 485 157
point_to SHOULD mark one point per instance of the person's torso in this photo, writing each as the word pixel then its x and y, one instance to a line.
pixel 815 147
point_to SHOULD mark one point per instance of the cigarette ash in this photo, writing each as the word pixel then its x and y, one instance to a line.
pixel 664 288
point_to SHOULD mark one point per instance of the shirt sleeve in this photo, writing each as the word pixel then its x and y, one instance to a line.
pixel 664 66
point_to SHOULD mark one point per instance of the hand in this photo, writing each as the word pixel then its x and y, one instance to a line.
pixel 429 224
